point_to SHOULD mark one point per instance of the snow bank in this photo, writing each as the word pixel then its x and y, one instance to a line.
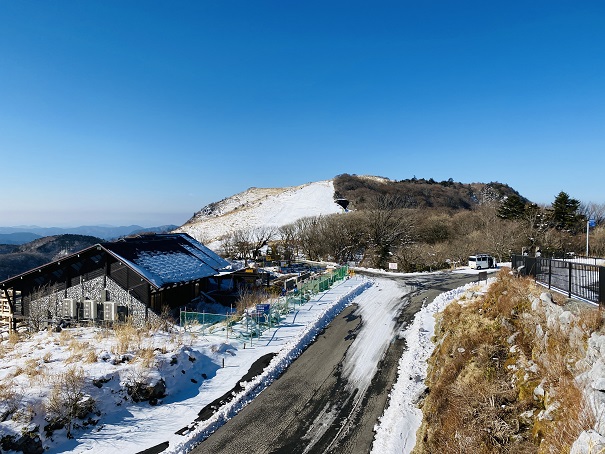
pixel 279 363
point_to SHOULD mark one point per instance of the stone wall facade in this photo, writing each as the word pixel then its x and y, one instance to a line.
pixel 47 309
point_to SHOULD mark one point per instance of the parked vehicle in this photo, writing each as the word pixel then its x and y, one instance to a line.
pixel 481 261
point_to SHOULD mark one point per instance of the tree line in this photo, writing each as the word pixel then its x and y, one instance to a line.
pixel 421 239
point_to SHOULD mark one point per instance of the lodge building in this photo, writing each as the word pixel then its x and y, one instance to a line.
pixel 134 276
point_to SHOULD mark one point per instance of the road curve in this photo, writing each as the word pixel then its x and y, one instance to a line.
pixel 310 408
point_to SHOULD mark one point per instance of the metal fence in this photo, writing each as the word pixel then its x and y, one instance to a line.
pixel 253 323
pixel 574 278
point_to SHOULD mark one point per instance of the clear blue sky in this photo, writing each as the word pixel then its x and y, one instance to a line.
pixel 122 112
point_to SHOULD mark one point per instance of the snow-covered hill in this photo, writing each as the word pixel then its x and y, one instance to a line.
pixel 259 207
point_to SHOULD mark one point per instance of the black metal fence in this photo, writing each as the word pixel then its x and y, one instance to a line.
pixel 585 281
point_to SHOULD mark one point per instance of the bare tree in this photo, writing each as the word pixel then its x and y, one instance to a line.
pixel 242 245
pixel 387 227
pixel 594 211
pixel 288 241
pixel 597 242
pixel 344 238
pixel 67 399
pixel 259 237
pixel 310 236
pixel 228 247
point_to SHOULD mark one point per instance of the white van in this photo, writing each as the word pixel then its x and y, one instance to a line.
pixel 481 261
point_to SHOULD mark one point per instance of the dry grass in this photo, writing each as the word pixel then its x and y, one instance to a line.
pixel 248 299
pixel 147 357
pixel 165 322
pixel 65 337
pixel 78 351
pixel 24 415
pixel 18 371
pixel 482 398
pixel 91 357
pixel 125 335
pixel 591 320
pixel 10 397
pixel 32 367
pixel 13 338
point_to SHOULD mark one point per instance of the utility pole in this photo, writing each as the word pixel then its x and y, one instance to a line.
pixel 590 223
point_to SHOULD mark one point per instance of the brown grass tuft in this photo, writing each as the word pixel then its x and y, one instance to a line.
pixel 13 338
pixel 147 357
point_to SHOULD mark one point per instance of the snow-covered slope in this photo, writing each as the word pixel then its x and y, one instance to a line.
pixel 258 207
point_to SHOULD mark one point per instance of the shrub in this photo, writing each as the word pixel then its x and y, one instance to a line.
pixel 67 400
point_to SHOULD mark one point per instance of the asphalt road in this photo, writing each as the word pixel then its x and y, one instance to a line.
pixel 309 409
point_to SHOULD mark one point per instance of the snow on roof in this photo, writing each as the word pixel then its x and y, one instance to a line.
pixel 167 259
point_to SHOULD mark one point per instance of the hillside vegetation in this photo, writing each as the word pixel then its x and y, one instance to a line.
pixel 360 191
pixel 19 259
pixel 501 378
pixel 421 225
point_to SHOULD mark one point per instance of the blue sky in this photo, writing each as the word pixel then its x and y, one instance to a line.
pixel 122 112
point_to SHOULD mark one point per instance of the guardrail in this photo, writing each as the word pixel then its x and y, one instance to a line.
pixel 573 278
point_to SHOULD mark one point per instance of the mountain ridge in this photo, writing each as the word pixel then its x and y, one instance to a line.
pixel 275 207
pixel 260 207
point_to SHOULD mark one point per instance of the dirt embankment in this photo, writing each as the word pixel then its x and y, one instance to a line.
pixel 501 378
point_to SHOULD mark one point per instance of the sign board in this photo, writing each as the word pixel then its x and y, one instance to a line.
pixel 392 266
pixel 263 308
pixel 592 223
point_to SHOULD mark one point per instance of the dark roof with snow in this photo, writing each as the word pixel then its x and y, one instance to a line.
pixel 167 258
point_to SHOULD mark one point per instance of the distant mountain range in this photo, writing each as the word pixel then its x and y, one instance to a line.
pixel 16 259
pixel 26 233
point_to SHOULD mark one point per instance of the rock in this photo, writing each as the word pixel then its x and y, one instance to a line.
pixel 539 392
pixel 85 406
pixel 99 382
pixel 140 392
pixel 546 298
pixel 589 442
pixel 599 384
pixel 565 320
pixel 28 442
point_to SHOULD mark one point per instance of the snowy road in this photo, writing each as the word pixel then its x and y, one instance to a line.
pixel 331 397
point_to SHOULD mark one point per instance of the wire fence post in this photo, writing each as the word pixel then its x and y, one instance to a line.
pixel 570 278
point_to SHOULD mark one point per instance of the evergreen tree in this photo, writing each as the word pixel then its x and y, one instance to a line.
pixel 565 214
pixel 512 208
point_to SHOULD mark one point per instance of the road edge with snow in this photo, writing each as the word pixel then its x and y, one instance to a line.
pixel 396 429
pixel 275 368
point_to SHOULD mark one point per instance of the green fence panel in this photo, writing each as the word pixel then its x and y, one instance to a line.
pixel 279 307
